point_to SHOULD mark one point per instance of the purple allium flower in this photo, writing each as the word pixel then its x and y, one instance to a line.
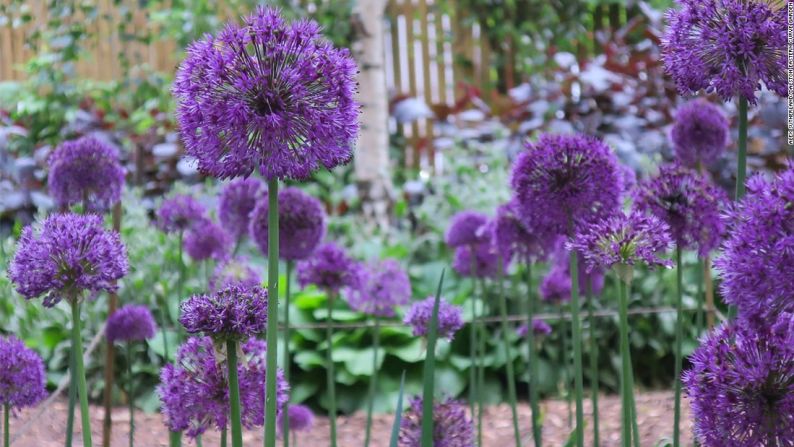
pixel 450 318
pixel 385 285
pixel 86 169
pixel 330 269
pixel 556 285
pixel 515 239
pixel 206 240
pixel 234 312
pixel 539 327
pixel 130 323
pixel 563 182
pixel 269 95
pixel 180 213
pixel 22 377
pixel 700 133
pixel 467 228
pixel 741 385
pixel 451 426
pixel 301 224
pixel 688 203
pixel 727 46
pixel 757 259
pixel 194 391
pixel 69 254
pixel 623 240
pixel 236 203
pixel 301 418
pixel 481 260
pixel 234 272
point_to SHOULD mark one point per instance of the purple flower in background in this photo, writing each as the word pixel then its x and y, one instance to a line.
pixel 22 377
pixel 563 182
pixel 556 285
pixel 515 239
pixel 385 285
pixel 481 260
pixel 206 240
pixel 301 418
pixel 757 258
pixel 234 272
pixel 741 385
pixel 236 203
pixel 450 318
pixel 700 133
pixel 234 312
pixel 451 426
pixel 267 95
pixel 623 240
pixel 67 255
pixel 539 327
pixel 86 169
pixel 194 391
pixel 130 323
pixel 467 228
pixel 301 224
pixel 688 203
pixel 180 213
pixel 729 47
pixel 330 269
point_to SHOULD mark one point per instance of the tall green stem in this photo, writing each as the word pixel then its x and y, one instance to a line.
pixel 566 358
pixel 82 391
pixel 679 335
pixel 594 385
pixel 174 437
pixel 473 340
pixel 428 373
pixel 72 401
pixel 373 382
pixel 577 350
pixel 700 316
pixel 537 430
pixel 286 366
pixel 6 425
pixel 272 309
pixel 741 172
pixel 481 366
pixel 329 367
pixel 511 378
pixel 234 393
pixel 625 368
pixel 130 393
pixel 223 437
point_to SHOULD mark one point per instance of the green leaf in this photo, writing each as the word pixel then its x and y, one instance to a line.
pixel 307 360
pixel 395 428
pixel 361 363
pixel 428 376
pixel 409 353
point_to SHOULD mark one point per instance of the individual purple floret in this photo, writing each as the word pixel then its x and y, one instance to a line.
pixel 688 203
pixel 729 47
pixel 539 327
pixel 563 182
pixel 385 285
pixel 67 255
pixel 467 228
pixel 236 203
pixel 180 213
pixel 450 318
pixel 623 240
pixel 234 312
pixel 757 258
pixel 86 170
pixel 22 377
pixel 451 425
pixel 207 240
pixel 301 418
pixel 515 240
pixel 194 391
pixel 481 260
pixel 700 133
pixel 330 269
pixel 267 95
pixel 234 272
pixel 130 323
pixel 741 385
pixel 301 224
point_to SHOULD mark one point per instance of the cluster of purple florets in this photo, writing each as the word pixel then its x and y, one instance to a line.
pixel 207 240
pixel 539 327
pixel 234 312
pixel 700 133
pixel 384 287
pixel 331 269
pixel 130 323
pixel 301 224
pixel 22 377
pixel 451 425
pixel 236 203
pixel 419 316
pixel 234 272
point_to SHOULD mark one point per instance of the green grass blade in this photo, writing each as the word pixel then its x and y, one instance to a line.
pixel 398 416
pixel 429 371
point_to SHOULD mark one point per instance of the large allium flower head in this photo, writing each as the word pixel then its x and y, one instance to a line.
pixel 729 47
pixel 331 269
pixel 301 224
pixel 481 260
pixel 514 239
pixel 267 95
pixel 700 133
pixel 22 377
pixel 194 391
pixel 539 327
pixel 564 181
pixel 451 425
pixel 68 255
pixel 623 240
pixel 385 285
pixel 450 318
pixel 86 170
pixel 180 213
pixel 234 312
pixel 688 203
pixel 741 385
pixel 236 203
pixel 234 272
pixel 757 258
pixel 301 418
pixel 130 323
pixel 207 240
pixel 467 228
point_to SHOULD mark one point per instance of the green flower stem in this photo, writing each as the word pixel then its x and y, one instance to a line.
pixel 329 367
pixel 741 172
pixel 481 366
pixel 272 309
pixel 72 401
pixel 537 429
pixel 625 370
pixel 679 335
pixel 199 442
pixel 6 425
pixel 234 393
pixel 285 414
pixel 577 350
pixel 700 316
pixel 174 437
pixel 473 341
pixel 566 357
pixel 82 392
pixel 374 380
pixel 511 378
pixel 223 437
pixel 130 393
pixel 594 385
pixel 428 373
